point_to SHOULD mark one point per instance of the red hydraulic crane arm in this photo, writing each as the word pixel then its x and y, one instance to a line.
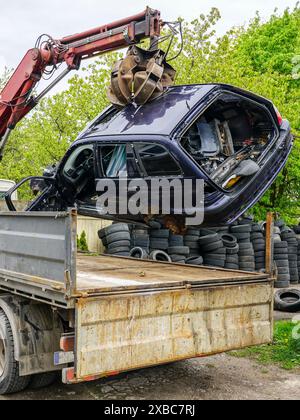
pixel 17 100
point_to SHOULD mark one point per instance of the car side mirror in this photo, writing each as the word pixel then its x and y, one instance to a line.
pixel 29 189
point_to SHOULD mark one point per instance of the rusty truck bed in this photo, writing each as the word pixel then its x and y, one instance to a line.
pixel 128 314
pixel 106 274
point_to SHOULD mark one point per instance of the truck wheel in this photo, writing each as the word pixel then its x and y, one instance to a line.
pixel 10 381
pixel 43 380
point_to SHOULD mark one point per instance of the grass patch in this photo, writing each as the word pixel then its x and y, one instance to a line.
pixel 284 351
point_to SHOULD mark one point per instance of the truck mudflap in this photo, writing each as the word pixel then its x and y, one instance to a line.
pixel 126 332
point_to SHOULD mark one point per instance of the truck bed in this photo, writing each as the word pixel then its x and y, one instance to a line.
pixel 106 274
pixel 38 259
pixel 127 313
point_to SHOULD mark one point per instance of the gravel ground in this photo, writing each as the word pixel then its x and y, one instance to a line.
pixel 219 377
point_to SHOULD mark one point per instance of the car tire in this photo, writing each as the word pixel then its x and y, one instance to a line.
pixel 118 236
pixel 229 241
pixel 209 239
pixel 212 246
pixel 117 228
pixel 177 258
pixel 287 300
pixel 160 256
pixel 158 244
pixel 212 256
pixel 160 234
pixel 233 251
pixel 10 380
pixel 214 263
pixel 179 250
pixel 139 253
pixel 176 240
pixel 118 250
pixel 194 261
pixel 118 244
pixel 232 267
pixel 240 229
pixel 248 259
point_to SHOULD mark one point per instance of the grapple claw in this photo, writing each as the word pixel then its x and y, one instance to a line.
pixel 141 77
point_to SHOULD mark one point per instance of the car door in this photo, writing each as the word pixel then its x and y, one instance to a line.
pixel 164 177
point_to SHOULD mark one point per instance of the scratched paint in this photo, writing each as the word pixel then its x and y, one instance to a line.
pixel 122 333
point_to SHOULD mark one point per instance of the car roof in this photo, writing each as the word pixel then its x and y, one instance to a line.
pixel 159 117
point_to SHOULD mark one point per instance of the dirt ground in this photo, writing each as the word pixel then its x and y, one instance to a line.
pixel 219 377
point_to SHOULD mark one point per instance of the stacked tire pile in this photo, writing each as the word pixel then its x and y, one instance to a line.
pixel 232 252
pixel 191 240
pixel 258 241
pixel 290 237
pixel 212 249
pixel 238 247
pixel 246 254
pixel 116 239
pixel 281 258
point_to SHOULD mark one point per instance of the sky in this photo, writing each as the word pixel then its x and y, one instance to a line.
pixel 21 22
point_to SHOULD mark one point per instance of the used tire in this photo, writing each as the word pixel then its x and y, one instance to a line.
pixel 209 239
pixel 118 244
pixel 10 380
pixel 287 300
pixel 233 251
pixel 229 241
pixel 214 263
pixel 179 250
pixel 212 246
pixel 161 244
pixel 118 250
pixel 138 253
pixel 118 227
pixel 194 261
pixel 160 233
pixel 160 256
pixel 118 236
pixel 241 229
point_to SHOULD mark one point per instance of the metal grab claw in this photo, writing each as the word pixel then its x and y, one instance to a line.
pixel 141 77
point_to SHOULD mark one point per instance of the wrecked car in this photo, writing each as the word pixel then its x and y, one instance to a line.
pixel 234 140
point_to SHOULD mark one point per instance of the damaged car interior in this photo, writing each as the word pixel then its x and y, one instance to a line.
pixel 229 140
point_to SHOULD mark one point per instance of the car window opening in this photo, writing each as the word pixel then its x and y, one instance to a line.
pixel 229 139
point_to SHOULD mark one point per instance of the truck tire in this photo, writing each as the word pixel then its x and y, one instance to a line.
pixel 43 380
pixel 10 381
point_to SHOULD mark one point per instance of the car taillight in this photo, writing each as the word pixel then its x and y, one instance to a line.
pixel 279 116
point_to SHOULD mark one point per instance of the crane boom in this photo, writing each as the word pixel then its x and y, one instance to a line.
pixel 17 98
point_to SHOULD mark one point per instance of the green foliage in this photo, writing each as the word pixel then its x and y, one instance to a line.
pixel 263 57
pixel 284 351
pixel 82 244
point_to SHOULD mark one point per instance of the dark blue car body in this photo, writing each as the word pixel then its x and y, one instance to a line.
pixel 164 122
